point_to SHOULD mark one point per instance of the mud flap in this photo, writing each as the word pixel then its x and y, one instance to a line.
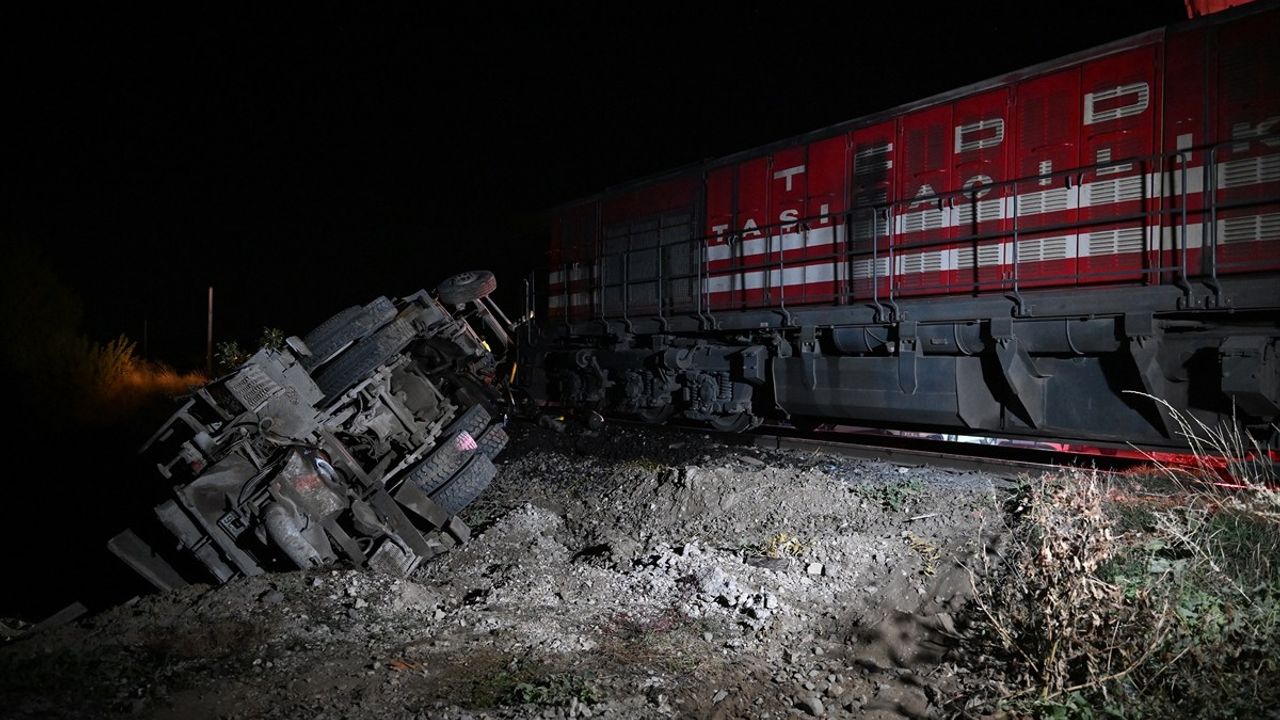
pixel 1025 385
pixel 143 559
pixel 417 502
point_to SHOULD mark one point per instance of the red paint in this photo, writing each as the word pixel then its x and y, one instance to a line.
pixel 1123 122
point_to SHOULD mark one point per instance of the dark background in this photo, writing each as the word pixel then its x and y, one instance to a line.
pixel 301 162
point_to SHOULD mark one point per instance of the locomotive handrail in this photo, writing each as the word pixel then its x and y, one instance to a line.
pixel 1183 283
pixel 1155 198
pixel 1210 188
pixel 875 261
pixel 1013 245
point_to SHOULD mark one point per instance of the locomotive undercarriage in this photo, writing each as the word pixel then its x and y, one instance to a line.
pixel 1037 365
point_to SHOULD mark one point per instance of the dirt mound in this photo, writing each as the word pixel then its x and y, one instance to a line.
pixel 629 574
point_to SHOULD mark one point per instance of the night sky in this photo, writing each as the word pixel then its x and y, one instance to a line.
pixel 302 162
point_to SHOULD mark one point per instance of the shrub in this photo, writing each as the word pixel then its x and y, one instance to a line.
pixel 1113 600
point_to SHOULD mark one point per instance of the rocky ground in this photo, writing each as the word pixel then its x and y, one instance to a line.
pixel 625 574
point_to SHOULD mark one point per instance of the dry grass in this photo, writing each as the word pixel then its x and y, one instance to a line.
pixel 1113 601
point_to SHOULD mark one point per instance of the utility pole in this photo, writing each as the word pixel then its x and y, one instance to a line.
pixel 208 338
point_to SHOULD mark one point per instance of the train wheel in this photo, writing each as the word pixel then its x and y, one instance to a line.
pixel 656 416
pixel 731 423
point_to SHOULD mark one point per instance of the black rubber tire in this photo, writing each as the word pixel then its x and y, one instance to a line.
pixel 354 364
pixel 348 326
pixel 467 485
pixel 467 286
pixel 443 462
pixel 492 442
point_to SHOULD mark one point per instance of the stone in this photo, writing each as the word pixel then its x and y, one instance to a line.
pixel 811 705
pixel 813 569
pixel 715 700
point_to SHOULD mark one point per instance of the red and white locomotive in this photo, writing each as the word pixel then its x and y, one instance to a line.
pixel 1008 258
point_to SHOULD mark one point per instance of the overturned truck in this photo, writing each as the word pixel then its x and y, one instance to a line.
pixel 361 441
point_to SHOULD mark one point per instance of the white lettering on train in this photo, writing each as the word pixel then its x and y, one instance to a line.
pixel 923 194
pixel 977 180
pixel 787 174
pixel 1243 130
pixel 990 130
pixel 1137 94
pixel 1102 157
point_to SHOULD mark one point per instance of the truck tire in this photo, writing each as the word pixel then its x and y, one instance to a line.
pixel 443 462
pixel 492 442
pixel 345 327
pixel 467 286
pixel 460 491
pixel 355 364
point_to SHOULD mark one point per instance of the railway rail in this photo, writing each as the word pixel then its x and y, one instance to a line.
pixel 1007 459
pixel 1002 460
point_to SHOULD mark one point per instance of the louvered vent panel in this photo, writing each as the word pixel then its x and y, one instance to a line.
pixel 1250 228
pixel 862 269
pixel 924 220
pixel 1251 171
pixel 1126 189
pixel 1044 201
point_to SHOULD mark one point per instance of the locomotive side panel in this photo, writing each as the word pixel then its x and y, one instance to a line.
pixel 875 153
pixel 1010 258
pixel 983 165
pixel 1244 223
pixel 1120 193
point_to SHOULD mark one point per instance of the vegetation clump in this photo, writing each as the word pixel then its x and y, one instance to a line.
pixel 1117 598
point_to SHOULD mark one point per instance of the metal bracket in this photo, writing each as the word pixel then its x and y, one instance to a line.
pixel 907 347
pixel 808 348
pixel 1023 380
pixel 1144 352
pixel 1139 325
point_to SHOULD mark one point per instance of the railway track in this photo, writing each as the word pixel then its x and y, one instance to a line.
pixel 1002 460
pixel 1007 459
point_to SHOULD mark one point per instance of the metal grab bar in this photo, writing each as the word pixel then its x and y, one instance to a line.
pixel 1158 212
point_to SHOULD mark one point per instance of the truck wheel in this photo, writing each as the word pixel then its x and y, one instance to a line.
pixel 467 286
pixel 355 364
pixel 466 486
pixel 433 472
pixel 346 327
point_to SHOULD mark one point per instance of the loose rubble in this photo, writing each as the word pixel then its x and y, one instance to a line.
pixel 629 573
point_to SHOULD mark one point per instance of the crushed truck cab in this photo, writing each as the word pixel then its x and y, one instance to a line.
pixel 361 441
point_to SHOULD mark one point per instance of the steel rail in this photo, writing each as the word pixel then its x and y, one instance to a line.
pixel 994 460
